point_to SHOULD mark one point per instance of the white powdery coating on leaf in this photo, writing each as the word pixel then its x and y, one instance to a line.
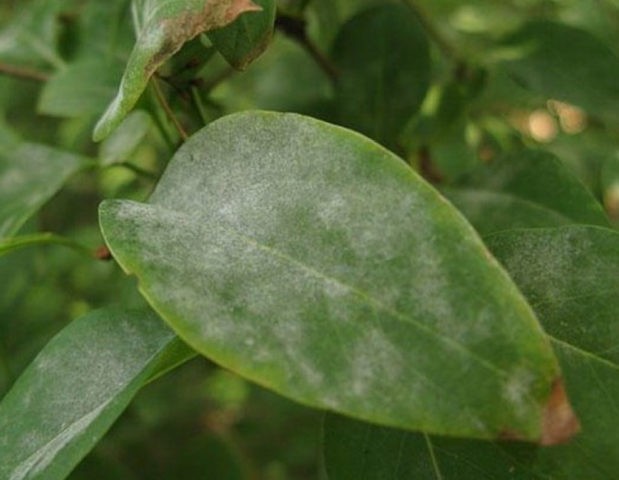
pixel 374 363
pixel 43 457
pixel 517 390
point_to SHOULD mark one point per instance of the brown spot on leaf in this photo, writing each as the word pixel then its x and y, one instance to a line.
pixel 559 422
pixel 185 27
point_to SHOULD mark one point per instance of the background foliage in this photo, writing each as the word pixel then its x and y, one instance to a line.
pixel 509 109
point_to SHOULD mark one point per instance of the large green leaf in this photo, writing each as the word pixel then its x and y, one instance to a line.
pixel 29 176
pixel 569 276
pixel 565 63
pixel 384 69
pixel 247 37
pixel 525 189
pixel 163 27
pixel 316 263
pixel 77 386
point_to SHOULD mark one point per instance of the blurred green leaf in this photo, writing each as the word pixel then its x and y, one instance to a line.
pixel 163 27
pixel 77 386
pixel 383 59
pixel 247 37
pixel 569 276
pixel 525 189
pixel 31 37
pixel 565 63
pixel 285 78
pixel 119 146
pixel 328 271
pixel 8 245
pixel 81 89
pixel 29 176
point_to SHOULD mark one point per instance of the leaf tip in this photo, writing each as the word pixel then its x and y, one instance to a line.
pixel 559 422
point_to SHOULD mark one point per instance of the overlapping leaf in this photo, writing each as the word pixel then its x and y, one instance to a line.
pixel 77 387
pixel 382 55
pixel 247 37
pixel 81 89
pixel 119 146
pixel 163 27
pixel 314 262
pixel 29 176
pixel 525 189
pixel 569 276
pixel 565 63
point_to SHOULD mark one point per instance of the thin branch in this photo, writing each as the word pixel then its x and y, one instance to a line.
pixel 297 30
pixel 23 73
pixel 168 111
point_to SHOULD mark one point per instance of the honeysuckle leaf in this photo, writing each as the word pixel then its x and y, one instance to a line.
pixel 569 276
pixel 241 42
pixel 163 26
pixel 29 176
pixel 525 189
pixel 81 89
pixel 314 262
pixel 584 74
pixel 77 387
pixel 119 146
pixel 383 61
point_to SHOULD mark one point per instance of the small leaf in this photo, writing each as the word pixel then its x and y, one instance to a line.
pixel 384 62
pixel 244 40
pixel 81 89
pixel 525 189
pixel 29 177
pixel 311 260
pixel 569 276
pixel 165 25
pixel 585 74
pixel 119 146
pixel 77 387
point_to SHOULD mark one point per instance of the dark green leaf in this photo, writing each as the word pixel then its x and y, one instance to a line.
pixel 525 189
pixel 247 37
pixel 383 58
pixel 163 27
pixel 569 276
pixel 314 262
pixel 29 176
pixel 565 63
pixel 77 386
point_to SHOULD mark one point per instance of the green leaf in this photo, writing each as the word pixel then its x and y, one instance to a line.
pixel 119 146
pixel 163 27
pixel 32 36
pixel 76 388
pixel 241 42
pixel 8 245
pixel 29 177
pixel 383 58
pixel 81 89
pixel 525 189
pixel 585 74
pixel 314 262
pixel 569 276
